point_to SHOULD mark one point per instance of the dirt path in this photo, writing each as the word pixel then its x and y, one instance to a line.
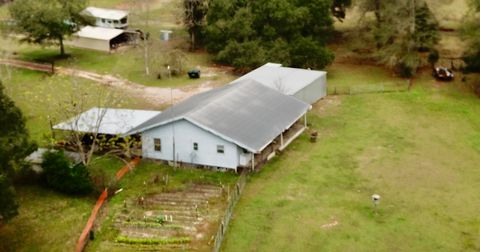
pixel 153 95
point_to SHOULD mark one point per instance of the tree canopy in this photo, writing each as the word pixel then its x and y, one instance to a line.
pixel 248 33
pixel 47 20
pixel 14 146
pixel 402 29
pixel 471 32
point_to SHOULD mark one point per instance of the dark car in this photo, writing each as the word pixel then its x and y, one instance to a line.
pixel 443 74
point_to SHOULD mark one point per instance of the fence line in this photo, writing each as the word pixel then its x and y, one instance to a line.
pixel 371 88
pixel 84 237
pixel 233 197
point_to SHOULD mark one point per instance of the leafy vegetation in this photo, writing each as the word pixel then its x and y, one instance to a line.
pixel 401 30
pixel 63 175
pixel 47 20
pixel 247 34
pixel 471 31
pixel 14 147
pixel 8 202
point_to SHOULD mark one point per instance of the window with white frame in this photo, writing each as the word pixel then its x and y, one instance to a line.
pixel 157 144
pixel 220 149
pixel 195 146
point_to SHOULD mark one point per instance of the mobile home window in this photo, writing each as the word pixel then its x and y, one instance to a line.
pixel 220 149
pixel 195 146
pixel 157 144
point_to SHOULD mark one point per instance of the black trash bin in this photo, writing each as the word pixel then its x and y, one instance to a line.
pixel 194 74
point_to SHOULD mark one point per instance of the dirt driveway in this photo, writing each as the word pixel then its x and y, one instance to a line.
pixel 155 95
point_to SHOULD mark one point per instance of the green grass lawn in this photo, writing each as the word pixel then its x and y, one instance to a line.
pixel 47 221
pixel 419 150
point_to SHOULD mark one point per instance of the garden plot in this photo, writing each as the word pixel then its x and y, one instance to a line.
pixel 183 219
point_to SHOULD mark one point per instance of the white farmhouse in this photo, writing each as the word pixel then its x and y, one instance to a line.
pixel 238 125
pixel 108 18
pixel 307 85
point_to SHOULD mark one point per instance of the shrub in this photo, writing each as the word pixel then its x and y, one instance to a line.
pixel 64 176
pixel 472 62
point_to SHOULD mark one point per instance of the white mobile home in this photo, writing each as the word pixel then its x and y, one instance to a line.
pixel 108 18
pixel 307 85
pixel 238 125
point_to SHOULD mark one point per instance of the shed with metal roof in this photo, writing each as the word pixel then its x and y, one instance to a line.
pixel 97 38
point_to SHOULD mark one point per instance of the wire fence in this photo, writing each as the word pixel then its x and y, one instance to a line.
pixel 234 194
pixel 370 88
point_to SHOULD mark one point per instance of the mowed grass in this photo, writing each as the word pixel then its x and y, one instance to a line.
pixel 47 221
pixel 419 150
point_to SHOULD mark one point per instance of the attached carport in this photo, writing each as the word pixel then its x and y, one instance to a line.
pixel 98 38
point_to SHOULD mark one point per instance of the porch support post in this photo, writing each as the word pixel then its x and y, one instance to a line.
pixel 281 139
pixel 305 119
pixel 253 161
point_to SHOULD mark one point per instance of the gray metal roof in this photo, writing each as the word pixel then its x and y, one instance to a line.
pixel 99 33
pixel 105 13
pixel 110 121
pixel 246 113
pixel 287 80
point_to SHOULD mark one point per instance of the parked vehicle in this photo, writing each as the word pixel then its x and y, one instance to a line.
pixel 443 74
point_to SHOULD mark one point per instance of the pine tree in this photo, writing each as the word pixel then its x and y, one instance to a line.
pixel 14 146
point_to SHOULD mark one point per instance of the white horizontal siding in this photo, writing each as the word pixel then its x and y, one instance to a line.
pixel 95 44
pixel 186 134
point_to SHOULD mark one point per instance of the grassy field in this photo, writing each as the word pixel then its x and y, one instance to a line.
pixel 419 150
pixel 47 221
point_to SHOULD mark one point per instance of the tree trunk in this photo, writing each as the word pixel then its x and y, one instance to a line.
pixel 378 15
pixel 192 40
pixel 62 48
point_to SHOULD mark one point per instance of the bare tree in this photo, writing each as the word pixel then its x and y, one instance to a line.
pixel 82 132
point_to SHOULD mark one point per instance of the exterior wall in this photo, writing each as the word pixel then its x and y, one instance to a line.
pixel 110 23
pixel 313 92
pixel 244 157
pixel 186 134
pixel 95 44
